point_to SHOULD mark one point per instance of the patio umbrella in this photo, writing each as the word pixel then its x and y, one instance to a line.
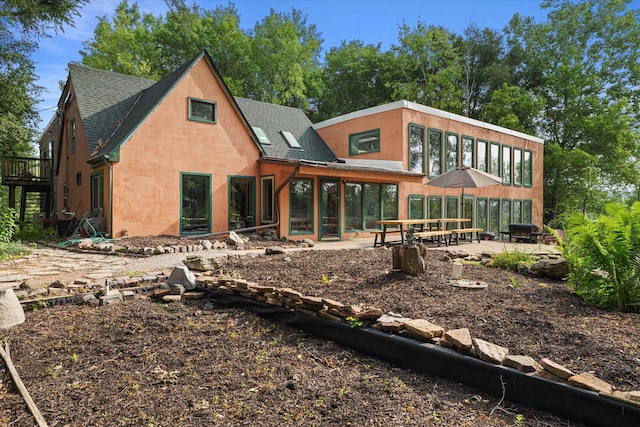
pixel 465 177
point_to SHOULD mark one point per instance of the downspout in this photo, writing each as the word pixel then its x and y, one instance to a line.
pixel 258 227
pixel 108 162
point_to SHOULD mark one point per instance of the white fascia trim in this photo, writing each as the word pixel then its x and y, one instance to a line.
pixel 427 110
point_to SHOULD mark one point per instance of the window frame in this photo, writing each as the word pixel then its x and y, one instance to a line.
pixel 464 138
pixel 504 222
pixel 430 173
pixel 353 151
pixel 517 170
pixel 482 213
pixel 490 164
pixel 267 217
pixel 214 109
pixel 208 201
pixel 484 152
pixel 422 147
pixel 527 182
pixel 434 199
pixel 416 198
pixel 507 164
pixel 310 199
pixel 448 152
pixel 97 186
pixel 453 201
pixel 527 211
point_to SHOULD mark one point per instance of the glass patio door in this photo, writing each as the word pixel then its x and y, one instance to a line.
pixel 195 209
pixel 329 208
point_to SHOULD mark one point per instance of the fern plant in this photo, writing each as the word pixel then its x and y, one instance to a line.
pixel 603 257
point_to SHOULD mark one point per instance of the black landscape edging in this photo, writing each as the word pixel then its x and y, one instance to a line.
pixel 574 403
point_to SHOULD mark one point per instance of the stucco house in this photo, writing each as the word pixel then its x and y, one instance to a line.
pixel 183 156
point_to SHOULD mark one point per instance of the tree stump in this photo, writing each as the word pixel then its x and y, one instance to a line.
pixel 408 260
pixel 11 312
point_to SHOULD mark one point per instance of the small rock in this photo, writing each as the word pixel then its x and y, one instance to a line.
pixel 181 275
pixel 521 363
pixel 556 369
pixel 490 352
pixel 172 298
pixel 193 295
pixel 57 284
pixel 590 382
pixel 275 250
pixel 111 299
pixel 424 328
pixel 11 312
pixel 206 244
pixel 461 339
pixel 309 242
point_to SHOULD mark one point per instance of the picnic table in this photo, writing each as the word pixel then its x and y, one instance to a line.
pixel 437 229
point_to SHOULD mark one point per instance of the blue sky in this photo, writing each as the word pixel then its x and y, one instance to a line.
pixel 372 21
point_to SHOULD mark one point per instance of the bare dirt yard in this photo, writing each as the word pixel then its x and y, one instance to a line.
pixel 144 363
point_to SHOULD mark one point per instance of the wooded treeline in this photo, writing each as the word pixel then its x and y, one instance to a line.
pixel 572 80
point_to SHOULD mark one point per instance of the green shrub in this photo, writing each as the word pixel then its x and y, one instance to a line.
pixel 511 260
pixel 13 250
pixel 603 257
pixel 29 233
pixel 8 224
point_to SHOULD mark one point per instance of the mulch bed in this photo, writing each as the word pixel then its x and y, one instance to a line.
pixel 145 363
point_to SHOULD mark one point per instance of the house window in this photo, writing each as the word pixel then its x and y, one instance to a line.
pixel 527 168
pixel 517 211
pixel 262 136
pixel 482 213
pixel 291 140
pixel 416 148
pixel 506 165
pixel 416 207
pixel 435 152
pixel 517 166
pixel 65 197
pixel 494 216
pixel 506 214
pixel 367 203
pixel 78 178
pixel 364 142
pixel 527 214
pixel 451 207
pixel 301 206
pixel 435 206
pixel 195 207
pixel 494 159
pixel 202 111
pixel 97 191
pixel 73 136
pixel 451 153
pixel 467 207
pixel 241 202
pixel 267 199
pixel 467 151
pixel 481 161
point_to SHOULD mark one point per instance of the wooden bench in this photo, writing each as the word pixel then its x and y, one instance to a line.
pixel 381 233
pixel 441 236
pixel 523 232
pixel 455 233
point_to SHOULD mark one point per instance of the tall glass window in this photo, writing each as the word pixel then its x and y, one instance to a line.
pixel 527 214
pixel 195 212
pixel 416 207
pixel 301 205
pixel 517 166
pixel 451 207
pixel 451 151
pixel 494 216
pixel 467 151
pixel 435 152
pixel 494 159
pixel 527 168
pixel 435 206
pixel 367 203
pixel 517 211
pixel 353 206
pixel 482 163
pixel 506 214
pixel 241 202
pixel 267 200
pixel 482 213
pixel 416 148
pixel 506 165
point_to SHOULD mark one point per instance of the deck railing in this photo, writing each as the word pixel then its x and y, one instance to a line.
pixel 25 170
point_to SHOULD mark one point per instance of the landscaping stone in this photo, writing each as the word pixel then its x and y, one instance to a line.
pixel 275 250
pixel 424 328
pixel 490 352
pixel 181 275
pixel 172 298
pixel 11 312
pixel 590 382
pixel 551 268
pixel 521 363
pixel 556 369
pixel 199 263
pixel 115 298
pixel 460 339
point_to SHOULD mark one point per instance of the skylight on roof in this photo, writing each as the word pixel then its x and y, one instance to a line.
pixel 291 140
pixel 262 137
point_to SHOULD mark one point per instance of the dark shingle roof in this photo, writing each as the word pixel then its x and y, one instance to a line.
pixel 273 119
pixel 104 98
pixel 113 105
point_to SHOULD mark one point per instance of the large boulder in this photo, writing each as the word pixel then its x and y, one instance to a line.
pixel 11 312
pixel 555 268
pixel 180 275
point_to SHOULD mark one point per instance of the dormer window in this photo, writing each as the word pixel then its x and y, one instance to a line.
pixel 262 137
pixel 291 140
pixel 202 111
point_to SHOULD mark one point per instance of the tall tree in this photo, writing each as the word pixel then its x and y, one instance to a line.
pixel 22 24
pixel 582 65
pixel 354 76
pixel 429 63
pixel 287 52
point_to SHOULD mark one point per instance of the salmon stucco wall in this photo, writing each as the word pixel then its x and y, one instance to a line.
pixel 146 180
